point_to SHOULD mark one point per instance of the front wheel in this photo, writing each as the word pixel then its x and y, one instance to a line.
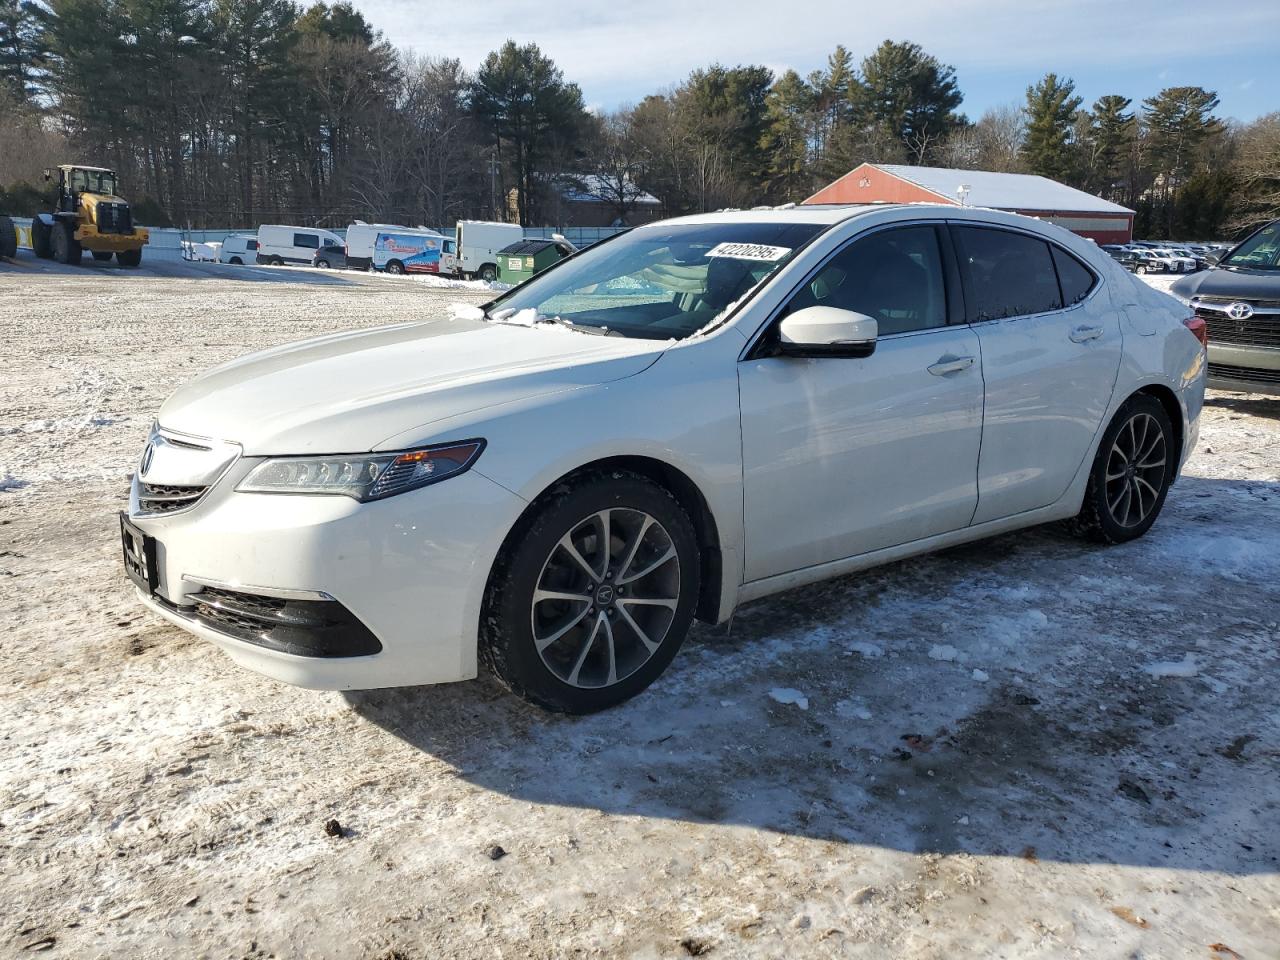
pixel 129 258
pixel 66 248
pixel 395 267
pixel 102 256
pixel 592 597
pixel 322 264
pixel 1131 474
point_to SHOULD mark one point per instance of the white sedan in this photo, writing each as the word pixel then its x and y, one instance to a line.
pixel 678 420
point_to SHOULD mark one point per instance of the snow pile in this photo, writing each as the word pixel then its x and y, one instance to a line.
pixel 788 695
pixel 1186 667
pixel 944 652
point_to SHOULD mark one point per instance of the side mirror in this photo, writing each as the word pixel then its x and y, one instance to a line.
pixel 827 332
pixel 1212 259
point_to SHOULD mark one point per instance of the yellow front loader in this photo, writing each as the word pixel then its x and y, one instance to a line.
pixel 88 215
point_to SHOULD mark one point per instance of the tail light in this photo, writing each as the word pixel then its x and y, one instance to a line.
pixel 1199 328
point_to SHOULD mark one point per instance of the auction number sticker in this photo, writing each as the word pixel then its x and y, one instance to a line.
pixel 749 251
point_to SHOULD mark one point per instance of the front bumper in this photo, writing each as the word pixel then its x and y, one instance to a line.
pixel 1247 369
pixel 88 236
pixel 411 569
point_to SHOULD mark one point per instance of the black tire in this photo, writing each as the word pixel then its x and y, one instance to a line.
pixel 101 255
pixel 1117 481
pixel 1140 268
pixel 237 262
pixel 488 272
pixel 129 258
pixel 322 264
pixel 395 267
pixel 8 239
pixel 66 249
pixel 275 262
pixel 507 629
pixel 41 244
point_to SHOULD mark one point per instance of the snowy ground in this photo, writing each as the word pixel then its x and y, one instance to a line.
pixel 1026 747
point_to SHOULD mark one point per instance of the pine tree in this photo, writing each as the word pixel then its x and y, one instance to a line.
pixel 1180 125
pixel 789 106
pixel 907 98
pixel 1051 108
pixel 1111 134
pixel 23 49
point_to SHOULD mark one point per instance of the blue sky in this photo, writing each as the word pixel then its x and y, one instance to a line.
pixel 620 51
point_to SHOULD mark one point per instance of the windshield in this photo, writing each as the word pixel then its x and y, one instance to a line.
pixel 93 181
pixel 661 282
pixel 1259 252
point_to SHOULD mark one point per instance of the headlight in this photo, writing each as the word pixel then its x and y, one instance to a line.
pixel 1185 301
pixel 371 477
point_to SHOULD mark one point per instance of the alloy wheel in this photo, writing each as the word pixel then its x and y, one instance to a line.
pixel 1135 470
pixel 606 598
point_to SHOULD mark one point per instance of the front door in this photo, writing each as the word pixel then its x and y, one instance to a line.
pixel 844 456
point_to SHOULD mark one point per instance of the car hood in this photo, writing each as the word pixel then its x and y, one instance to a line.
pixel 1236 282
pixel 348 392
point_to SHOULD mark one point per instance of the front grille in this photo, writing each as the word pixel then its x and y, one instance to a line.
pixel 158 498
pixel 1247 374
pixel 306 628
pixel 1226 301
pixel 1257 331
pixel 114 218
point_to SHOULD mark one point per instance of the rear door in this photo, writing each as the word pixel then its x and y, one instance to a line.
pixel 1051 349
pixel 844 456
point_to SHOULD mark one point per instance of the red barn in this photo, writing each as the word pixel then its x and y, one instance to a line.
pixel 1079 212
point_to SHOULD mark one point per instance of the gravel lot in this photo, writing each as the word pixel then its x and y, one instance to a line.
pixel 1025 747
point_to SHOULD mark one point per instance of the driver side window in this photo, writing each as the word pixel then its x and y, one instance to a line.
pixel 893 276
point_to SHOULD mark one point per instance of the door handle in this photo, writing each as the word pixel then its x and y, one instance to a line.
pixel 1081 334
pixel 947 365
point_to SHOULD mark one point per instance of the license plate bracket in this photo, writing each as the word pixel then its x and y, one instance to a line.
pixel 139 556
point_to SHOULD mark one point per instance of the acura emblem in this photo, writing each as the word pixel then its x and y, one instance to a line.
pixel 147 454
pixel 1239 311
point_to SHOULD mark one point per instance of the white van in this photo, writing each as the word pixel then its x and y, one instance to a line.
pixel 478 244
pixel 361 237
pixel 239 248
pixel 362 241
pixel 279 245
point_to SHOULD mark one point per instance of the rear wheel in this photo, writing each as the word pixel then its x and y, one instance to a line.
pixel 236 261
pixel 129 258
pixel 1140 269
pixel 488 272
pixel 8 238
pixel 593 596
pixel 322 264
pixel 101 255
pixel 275 262
pixel 1131 473
pixel 66 249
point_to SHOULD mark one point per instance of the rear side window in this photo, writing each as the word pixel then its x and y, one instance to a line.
pixel 1010 274
pixel 252 245
pixel 1074 277
pixel 306 240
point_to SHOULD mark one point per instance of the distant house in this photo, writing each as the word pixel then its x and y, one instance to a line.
pixel 592 200
pixel 1033 196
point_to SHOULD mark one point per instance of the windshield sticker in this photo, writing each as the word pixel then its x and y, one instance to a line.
pixel 749 251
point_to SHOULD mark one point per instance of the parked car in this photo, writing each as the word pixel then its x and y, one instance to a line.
pixel 330 257
pixel 1239 300
pixel 278 245
pixel 677 420
pixel 1143 260
pixel 239 249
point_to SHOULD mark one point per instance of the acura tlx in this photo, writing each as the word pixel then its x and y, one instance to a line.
pixel 688 416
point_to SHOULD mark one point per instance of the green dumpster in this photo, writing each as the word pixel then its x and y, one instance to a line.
pixel 522 259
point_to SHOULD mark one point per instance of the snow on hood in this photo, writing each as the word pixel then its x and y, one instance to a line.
pixel 348 392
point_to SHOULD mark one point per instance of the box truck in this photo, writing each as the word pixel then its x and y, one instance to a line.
pixel 479 242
